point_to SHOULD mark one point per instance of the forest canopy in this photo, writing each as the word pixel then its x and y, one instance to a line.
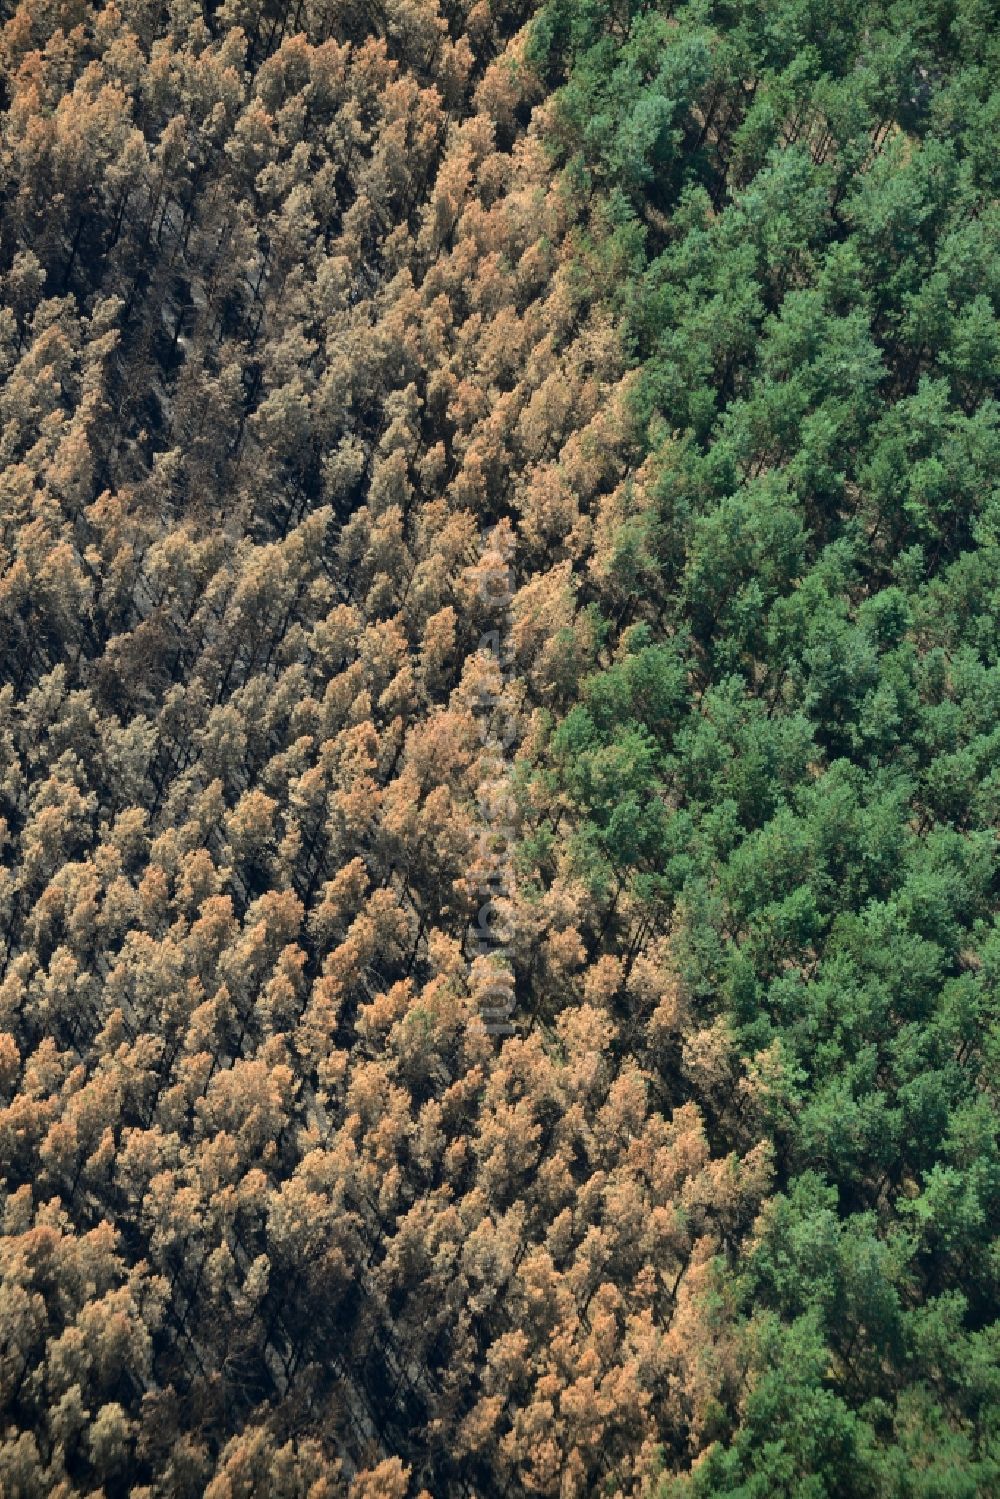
pixel 499 749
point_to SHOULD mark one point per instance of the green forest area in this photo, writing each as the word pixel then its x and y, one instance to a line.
pixel 499 749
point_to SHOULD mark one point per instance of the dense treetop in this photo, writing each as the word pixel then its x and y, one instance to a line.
pixel 536 455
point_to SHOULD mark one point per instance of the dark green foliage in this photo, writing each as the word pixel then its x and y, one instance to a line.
pixel 816 322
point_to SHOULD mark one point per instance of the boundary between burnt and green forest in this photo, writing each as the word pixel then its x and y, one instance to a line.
pixel 789 759
pixel 499 532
